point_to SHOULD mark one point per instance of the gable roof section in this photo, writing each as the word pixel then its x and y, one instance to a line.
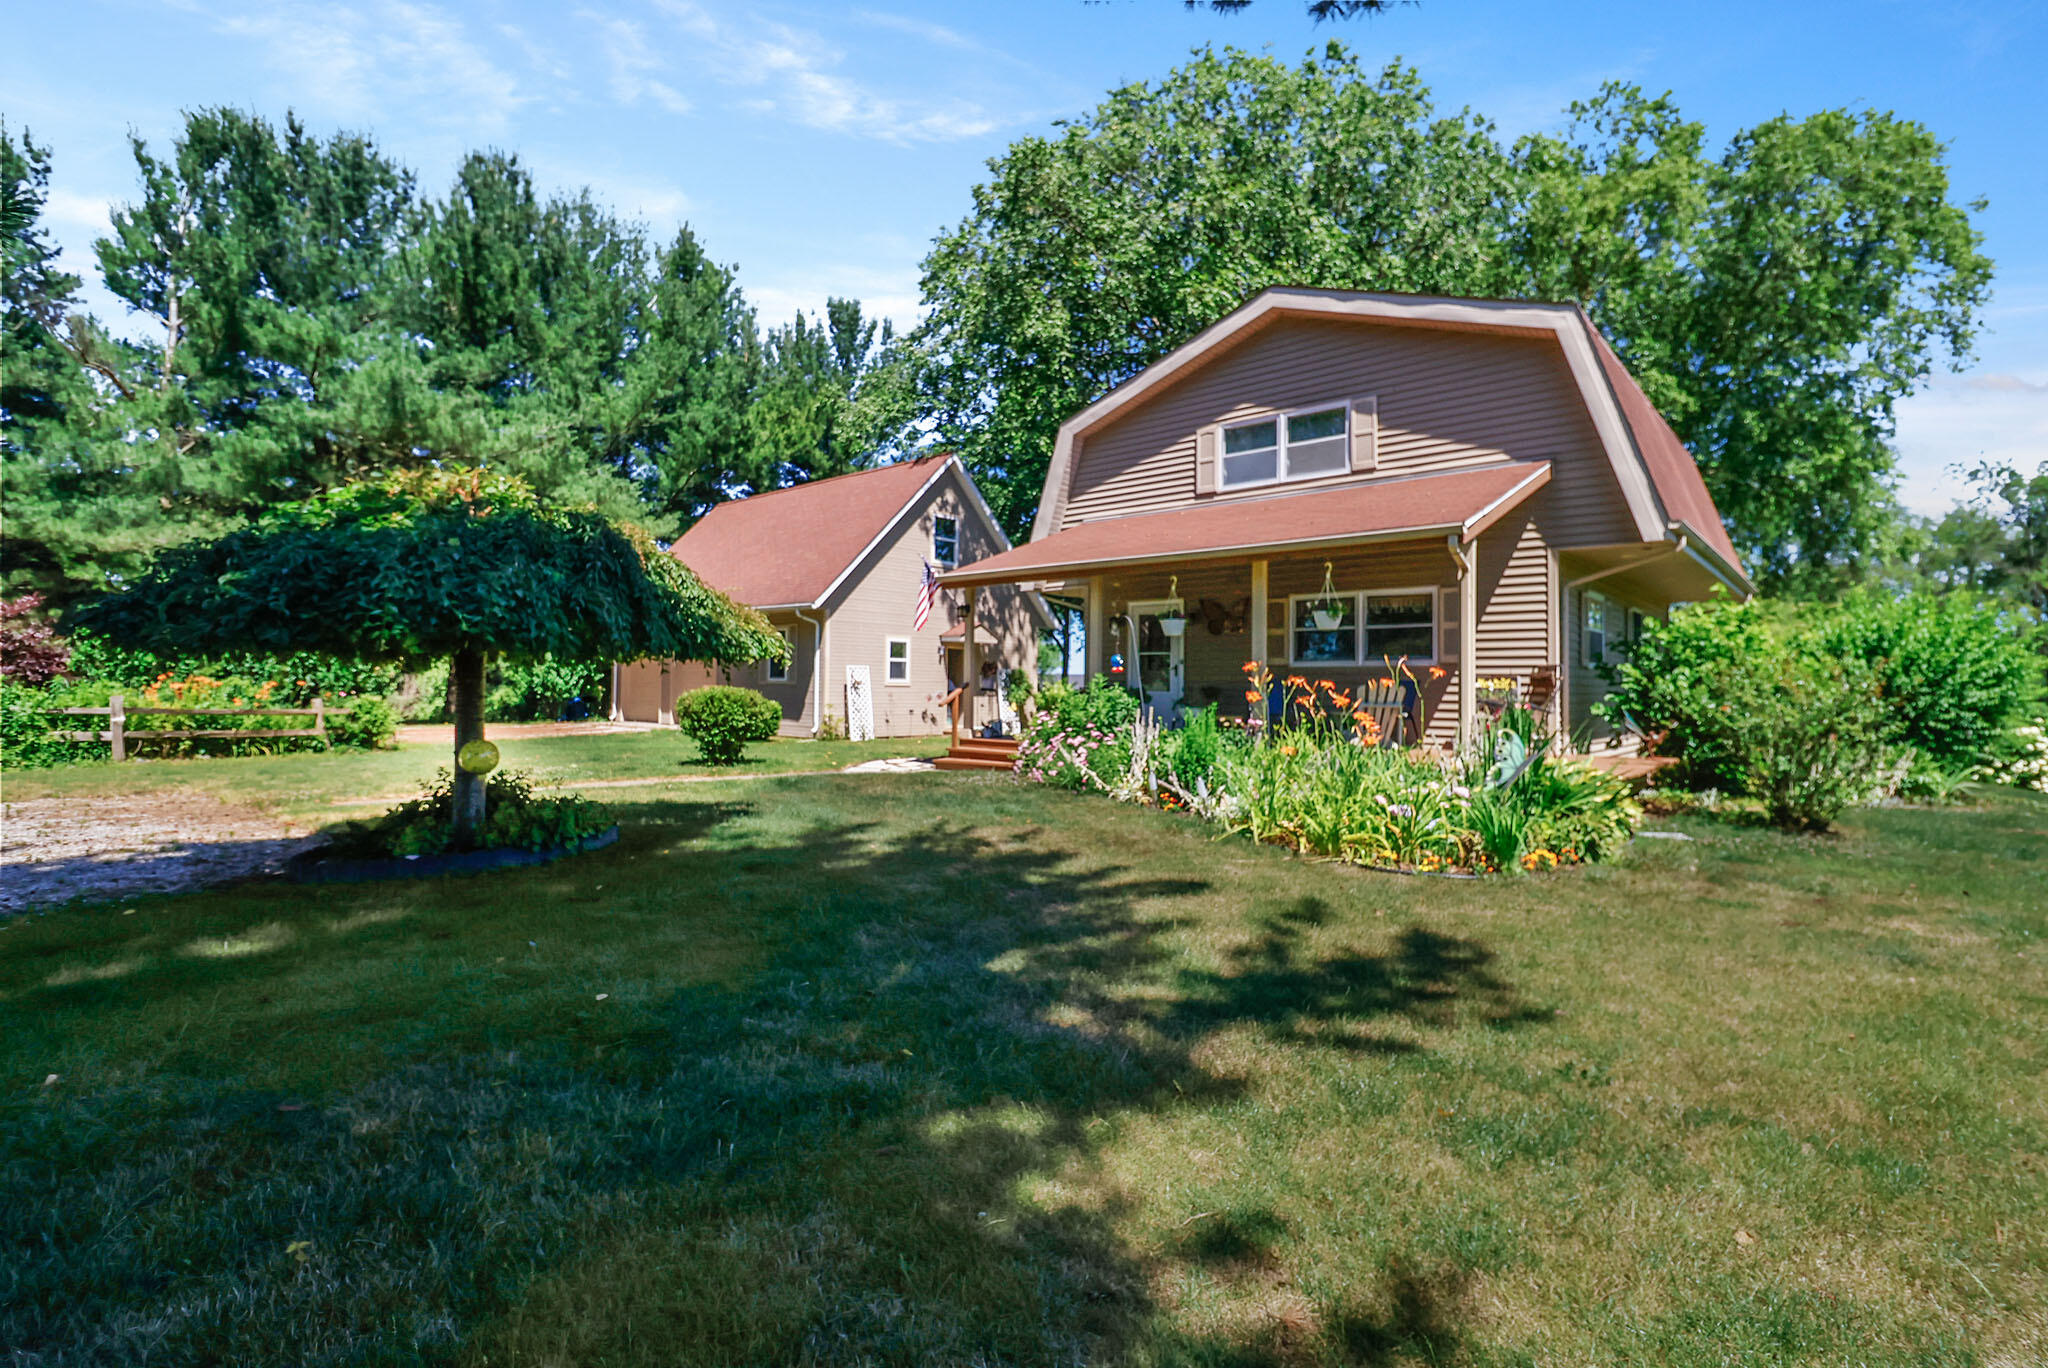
pixel 1658 479
pixel 1672 469
pixel 790 548
pixel 1459 504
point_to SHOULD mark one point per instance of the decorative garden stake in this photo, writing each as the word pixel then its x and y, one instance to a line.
pixel 422 566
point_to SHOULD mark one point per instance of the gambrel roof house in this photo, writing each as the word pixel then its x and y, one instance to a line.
pixel 837 565
pixel 1341 480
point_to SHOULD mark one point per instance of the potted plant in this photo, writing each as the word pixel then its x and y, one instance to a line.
pixel 1328 612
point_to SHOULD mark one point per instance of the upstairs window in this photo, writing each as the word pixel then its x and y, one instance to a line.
pixel 1294 446
pixel 946 541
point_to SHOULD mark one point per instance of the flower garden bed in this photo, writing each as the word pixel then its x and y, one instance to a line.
pixel 1318 781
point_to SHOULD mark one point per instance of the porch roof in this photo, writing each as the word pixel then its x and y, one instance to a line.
pixel 1460 503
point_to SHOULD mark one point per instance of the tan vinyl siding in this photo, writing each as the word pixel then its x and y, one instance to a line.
pixel 1515 594
pixel 1445 400
pixel 879 599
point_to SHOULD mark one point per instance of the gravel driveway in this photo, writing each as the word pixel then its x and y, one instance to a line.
pixel 56 850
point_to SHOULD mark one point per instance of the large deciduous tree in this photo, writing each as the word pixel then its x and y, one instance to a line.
pixel 1776 300
pixel 415 567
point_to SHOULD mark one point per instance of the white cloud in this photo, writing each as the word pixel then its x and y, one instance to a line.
pixel 633 61
pixel 1961 420
pixel 74 215
pixel 355 63
pixel 798 71
pixel 883 293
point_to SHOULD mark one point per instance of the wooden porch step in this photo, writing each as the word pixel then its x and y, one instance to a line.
pixel 979 752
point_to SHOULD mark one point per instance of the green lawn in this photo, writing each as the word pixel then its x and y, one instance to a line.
pixel 305 786
pixel 879 1070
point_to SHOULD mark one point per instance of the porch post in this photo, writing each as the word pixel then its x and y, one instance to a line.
pixel 1261 638
pixel 970 655
pixel 1468 641
pixel 1096 629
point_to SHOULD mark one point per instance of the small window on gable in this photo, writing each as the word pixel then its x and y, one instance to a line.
pixel 778 670
pixel 946 540
pixel 1294 446
pixel 898 668
pixel 1318 443
pixel 1251 454
pixel 1596 630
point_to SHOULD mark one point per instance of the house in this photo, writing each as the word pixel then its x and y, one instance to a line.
pixel 1330 481
pixel 837 565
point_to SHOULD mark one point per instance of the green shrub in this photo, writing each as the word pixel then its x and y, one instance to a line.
pixel 1188 753
pixel 366 724
pixel 1952 671
pixel 1810 742
pixel 539 691
pixel 1078 733
pixel 722 719
pixel 514 819
pixel 296 679
pixel 25 723
pixel 2022 761
pixel 1956 670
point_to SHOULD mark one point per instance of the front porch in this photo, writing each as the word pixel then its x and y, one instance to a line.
pixel 1182 633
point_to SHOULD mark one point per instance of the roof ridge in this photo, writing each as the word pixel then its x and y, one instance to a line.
pixel 842 475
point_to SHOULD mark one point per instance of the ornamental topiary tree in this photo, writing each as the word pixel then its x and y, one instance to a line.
pixel 456 565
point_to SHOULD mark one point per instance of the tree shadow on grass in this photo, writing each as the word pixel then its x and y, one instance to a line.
pixel 824 1164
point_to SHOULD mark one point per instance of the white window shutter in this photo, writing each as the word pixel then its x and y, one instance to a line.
pixel 1447 624
pixel 1365 433
pixel 1205 460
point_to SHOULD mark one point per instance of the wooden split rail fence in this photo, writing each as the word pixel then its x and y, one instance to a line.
pixel 119 735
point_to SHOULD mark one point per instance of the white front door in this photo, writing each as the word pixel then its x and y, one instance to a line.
pixel 1159 668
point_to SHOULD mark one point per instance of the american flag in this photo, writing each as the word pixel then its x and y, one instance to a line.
pixel 927 594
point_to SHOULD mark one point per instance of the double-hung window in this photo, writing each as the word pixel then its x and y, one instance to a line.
pixel 946 541
pixel 1293 446
pixel 1596 630
pixel 1363 628
pixel 778 670
pixel 898 667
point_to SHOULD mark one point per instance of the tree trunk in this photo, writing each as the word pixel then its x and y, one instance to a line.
pixel 466 681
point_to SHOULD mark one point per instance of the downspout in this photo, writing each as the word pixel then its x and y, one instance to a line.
pixel 1564 667
pixel 817 670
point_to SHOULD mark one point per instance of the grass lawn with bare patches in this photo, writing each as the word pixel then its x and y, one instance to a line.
pixel 306 785
pixel 947 1069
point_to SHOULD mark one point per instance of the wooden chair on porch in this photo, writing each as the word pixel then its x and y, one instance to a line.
pixel 1385 701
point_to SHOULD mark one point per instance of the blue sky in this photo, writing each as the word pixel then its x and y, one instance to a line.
pixel 820 147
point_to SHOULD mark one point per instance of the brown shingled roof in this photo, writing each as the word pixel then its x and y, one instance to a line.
pixel 785 547
pixel 1673 473
pixel 1462 502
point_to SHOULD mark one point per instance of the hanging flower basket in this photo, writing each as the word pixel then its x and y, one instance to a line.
pixel 1328 612
pixel 1174 619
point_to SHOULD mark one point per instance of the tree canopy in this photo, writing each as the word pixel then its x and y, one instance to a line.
pixel 418 566
pixel 308 317
pixel 1776 300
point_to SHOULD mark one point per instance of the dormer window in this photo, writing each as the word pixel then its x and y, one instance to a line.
pixel 1294 446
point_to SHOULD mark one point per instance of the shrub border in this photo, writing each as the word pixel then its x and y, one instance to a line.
pixel 309 867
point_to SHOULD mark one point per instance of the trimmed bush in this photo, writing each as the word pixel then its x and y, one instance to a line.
pixel 368 724
pixel 723 719
pixel 1810 742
